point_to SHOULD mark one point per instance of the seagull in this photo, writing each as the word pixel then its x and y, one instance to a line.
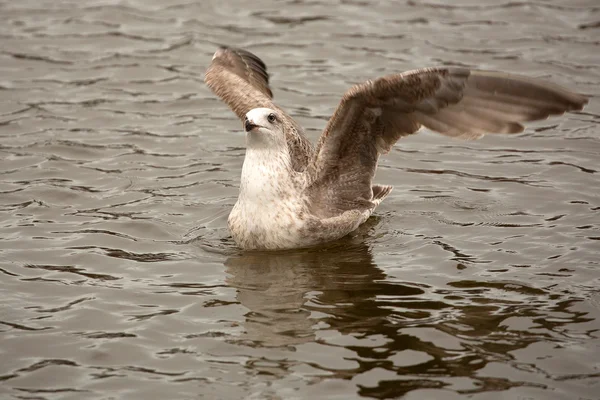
pixel 294 195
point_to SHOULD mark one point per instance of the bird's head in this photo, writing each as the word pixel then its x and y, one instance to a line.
pixel 264 127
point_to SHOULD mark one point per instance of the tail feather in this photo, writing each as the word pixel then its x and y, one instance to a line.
pixel 380 192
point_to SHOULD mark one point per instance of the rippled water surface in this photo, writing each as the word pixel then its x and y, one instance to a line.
pixel 478 277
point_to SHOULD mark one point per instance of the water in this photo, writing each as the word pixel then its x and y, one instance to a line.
pixel 478 277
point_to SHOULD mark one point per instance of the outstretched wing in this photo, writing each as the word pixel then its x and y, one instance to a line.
pixel 456 102
pixel 241 80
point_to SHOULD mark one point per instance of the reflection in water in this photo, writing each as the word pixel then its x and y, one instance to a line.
pixel 410 336
pixel 275 287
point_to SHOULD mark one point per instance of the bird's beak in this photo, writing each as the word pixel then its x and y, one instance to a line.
pixel 248 126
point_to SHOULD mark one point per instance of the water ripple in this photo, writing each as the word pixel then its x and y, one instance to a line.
pixel 476 277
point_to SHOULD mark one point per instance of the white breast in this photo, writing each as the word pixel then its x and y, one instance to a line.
pixel 268 213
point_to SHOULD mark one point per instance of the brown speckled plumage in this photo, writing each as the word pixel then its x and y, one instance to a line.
pixel 313 196
pixel 241 80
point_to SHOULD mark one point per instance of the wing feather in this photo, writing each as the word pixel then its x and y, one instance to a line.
pixel 241 80
pixel 456 102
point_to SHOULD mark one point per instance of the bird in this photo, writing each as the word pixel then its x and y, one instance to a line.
pixel 296 195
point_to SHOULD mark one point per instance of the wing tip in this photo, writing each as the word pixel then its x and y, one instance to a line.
pixel 243 63
pixel 222 49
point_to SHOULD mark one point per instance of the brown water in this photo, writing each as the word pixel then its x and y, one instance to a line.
pixel 477 278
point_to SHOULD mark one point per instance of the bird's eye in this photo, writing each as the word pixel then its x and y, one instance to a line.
pixel 271 118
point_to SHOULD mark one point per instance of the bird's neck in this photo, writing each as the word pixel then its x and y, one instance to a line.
pixel 266 174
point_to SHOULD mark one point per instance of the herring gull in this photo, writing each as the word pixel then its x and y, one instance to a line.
pixel 294 195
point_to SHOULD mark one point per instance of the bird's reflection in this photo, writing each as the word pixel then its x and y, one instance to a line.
pixel 289 293
pixel 283 289
pixel 279 288
pixel 424 332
